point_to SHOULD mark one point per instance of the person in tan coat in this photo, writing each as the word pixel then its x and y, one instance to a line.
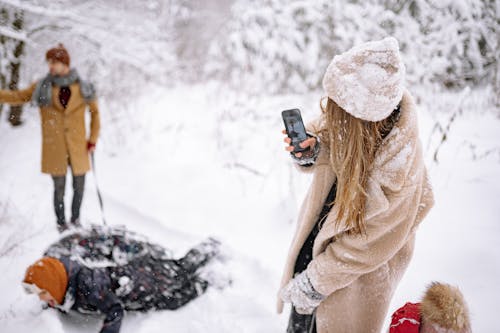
pixel 356 228
pixel 63 98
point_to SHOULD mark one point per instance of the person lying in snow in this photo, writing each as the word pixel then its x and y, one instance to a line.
pixel 109 271
pixel 442 310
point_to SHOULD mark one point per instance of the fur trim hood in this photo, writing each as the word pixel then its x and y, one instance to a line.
pixel 444 310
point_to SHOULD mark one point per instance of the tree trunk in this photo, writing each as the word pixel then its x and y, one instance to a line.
pixel 4 15
pixel 15 66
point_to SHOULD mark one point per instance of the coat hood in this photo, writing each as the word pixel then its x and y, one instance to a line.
pixel 444 310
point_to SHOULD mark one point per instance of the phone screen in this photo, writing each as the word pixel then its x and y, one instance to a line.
pixel 295 128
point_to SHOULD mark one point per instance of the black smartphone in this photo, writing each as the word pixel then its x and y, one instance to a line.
pixel 295 128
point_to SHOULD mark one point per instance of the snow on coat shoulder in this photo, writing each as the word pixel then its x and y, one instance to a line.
pixel 399 150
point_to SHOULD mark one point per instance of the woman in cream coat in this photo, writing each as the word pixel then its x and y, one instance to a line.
pixel 366 152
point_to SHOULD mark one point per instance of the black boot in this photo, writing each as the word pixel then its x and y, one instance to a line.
pixel 62 226
pixel 75 222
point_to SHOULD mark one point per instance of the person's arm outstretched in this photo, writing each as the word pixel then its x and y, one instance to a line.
pixel 17 97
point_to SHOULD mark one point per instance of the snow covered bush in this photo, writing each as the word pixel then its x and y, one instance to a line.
pixel 277 45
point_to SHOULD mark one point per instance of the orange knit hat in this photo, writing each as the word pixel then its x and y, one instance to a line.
pixel 48 274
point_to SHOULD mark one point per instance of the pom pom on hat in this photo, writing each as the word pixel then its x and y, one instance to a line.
pixel 367 81
pixel 48 274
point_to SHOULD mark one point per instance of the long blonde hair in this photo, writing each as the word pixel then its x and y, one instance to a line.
pixel 352 144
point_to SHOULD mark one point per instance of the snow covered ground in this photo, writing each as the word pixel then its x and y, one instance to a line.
pixel 193 162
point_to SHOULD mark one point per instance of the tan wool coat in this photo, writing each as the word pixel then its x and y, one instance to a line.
pixel 359 274
pixel 64 139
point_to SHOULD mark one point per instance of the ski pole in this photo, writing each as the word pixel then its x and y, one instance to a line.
pixel 97 188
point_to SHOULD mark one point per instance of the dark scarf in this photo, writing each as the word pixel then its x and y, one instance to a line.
pixel 42 96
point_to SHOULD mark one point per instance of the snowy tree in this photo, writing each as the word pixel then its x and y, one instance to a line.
pixel 12 44
pixel 277 45
pixel 457 39
pixel 125 48
pixel 196 24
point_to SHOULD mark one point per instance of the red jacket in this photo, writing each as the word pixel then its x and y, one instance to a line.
pixel 406 319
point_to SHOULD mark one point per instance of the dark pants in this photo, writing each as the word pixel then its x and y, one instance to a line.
pixel 59 187
pixel 299 323
pixel 307 323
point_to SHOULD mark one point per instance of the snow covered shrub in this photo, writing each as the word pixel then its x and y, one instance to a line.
pixel 455 41
pixel 272 45
pixel 277 45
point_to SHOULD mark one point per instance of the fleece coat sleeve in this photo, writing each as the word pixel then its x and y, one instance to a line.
pixel 349 256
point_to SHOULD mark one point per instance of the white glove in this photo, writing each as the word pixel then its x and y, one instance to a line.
pixel 301 293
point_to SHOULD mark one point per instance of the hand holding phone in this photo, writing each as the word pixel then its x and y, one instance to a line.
pixel 299 143
pixel 308 144
pixel 295 129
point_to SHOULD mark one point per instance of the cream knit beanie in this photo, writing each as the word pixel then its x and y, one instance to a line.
pixel 367 80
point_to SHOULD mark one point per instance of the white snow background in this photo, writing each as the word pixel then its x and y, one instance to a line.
pixel 201 161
